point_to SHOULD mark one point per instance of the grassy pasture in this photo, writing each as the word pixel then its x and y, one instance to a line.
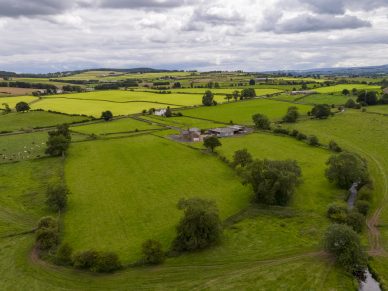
pixel 339 88
pixel 104 75
pixel 382 109
pixel 107 214
pixel 183 122
pixel 241 112
pixel 10 91
pixel 32 119
pixel 93 108
pixel 259 92
pixel 22 146
pixel 337 99
pixel 125 96
pixel 12 101
pixel 115 126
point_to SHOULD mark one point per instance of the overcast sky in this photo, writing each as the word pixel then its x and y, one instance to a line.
pixel 251 35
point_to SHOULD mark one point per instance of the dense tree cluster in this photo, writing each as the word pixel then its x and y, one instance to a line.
pixel 321 111
pixel 208 98
pixel 22 106
pixel 58 141
pixel 261 121
pixel 292 114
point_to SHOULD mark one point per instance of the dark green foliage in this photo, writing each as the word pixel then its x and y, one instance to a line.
pixel 367 97
pixel 313 140
pixel 6 108
pixel 85 260
pixel 321 111
pixel 346 168
pixel 365 193
pixel 363 207
pixel 242 158
pixel 294 133
pixel 22 106
pixel 152 252
pixel 107 115
pixel 63 255
pixel 280 130
pixel 106 262
pixel 63 130
pixel 261 121
pixel 211 142
pixel 248 93
pixel 334 147
pixel 46 238
pixel 48 222
pixel 337 213
pixel 350 103
pixel 252 82
pixel 292 115
pixel 57 197
pixel 200 226
pixel 168 112
pixel 301 136
pixel 57 145
pixel 345 92
pixel 355 220
pixel 207 99
pixel 236 95
pixel 341 241
pixel 273 182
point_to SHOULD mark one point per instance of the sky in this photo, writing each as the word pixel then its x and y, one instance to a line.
pixel 38 36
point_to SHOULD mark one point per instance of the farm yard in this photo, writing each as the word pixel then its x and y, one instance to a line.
pixel 125 177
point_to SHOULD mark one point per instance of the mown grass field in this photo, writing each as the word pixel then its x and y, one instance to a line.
pixel 139 96
pixel 96 75
pixel 259 92
pixel 383 109
pixel 241 112
pixel 110 215
pixel 12 101
pixel 339 88
pixel 336 99
pixel 115 126
pixel 182 122
pixel 93 108
pixel 33 119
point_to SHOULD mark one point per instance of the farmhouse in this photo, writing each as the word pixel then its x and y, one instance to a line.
pixel 192 134
pixel 161 112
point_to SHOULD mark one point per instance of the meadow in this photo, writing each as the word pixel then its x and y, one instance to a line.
pixel 241 112
pixel 259 92
pixel 339 88
pixel 28 120
pixel 336 99
pixel 12 101
pixel 182 122
pixel 382 109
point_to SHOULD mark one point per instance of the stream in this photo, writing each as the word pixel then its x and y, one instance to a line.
pixel 370 284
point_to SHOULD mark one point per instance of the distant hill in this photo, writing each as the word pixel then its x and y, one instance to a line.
pixel 350 71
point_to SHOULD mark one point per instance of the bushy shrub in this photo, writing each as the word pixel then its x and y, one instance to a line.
pixel 152 252
pixel 85 260
pixel 292 115
pixel 280 130
pixel 63 255
pixel 106 262
pixel 365 193
pixel 363 206
pixel 294 133
pixel 313 140
pixel 334 147
pixel 301 136
pixel 355 220
pixel 337 213
pixel 242 158
pixel 261 121
pixel 57 197
pixel 48 222
pixel 46 238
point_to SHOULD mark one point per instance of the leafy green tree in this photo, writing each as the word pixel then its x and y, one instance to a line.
pixel 313 140
pixel 292 115
pixel 211 142
pixel 236 95
pixel 168 112
pixel 63 254
pixel 200 226
pixel 46 238
pixel 153 252
pixel 248 93
pixel 337 213
pixel 57 145
pixel 345 92
pixel 367 97
pixel 261 121
pixel 207 99
pixel 350 103
pixel 321 111
pixel 355 220
pixel 334 147
pixel 85 259
pixel 6 108
pixel 363 206
pixel 341 241
pixel 242 158
pixel 22 106
pixel 228 97
pixel 107 115
pixel 57 197
pixel 63 130
pixel 48 222
pixel 252 82
pixel 273 182
pixel 106 262
pixel 347 168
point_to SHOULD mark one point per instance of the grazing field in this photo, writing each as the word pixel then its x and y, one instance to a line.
pixel 259 92
pixel 10 91
pixel 126 96
pixel 339 88
pixel 111 75
pixel 115 126
pixel 34 119
pixel 383 109
pixel 315 193
pixel 125 214
pixel 93 108
pixel 183 122
pixel 12 101
pixel 241 112
pixel 336 99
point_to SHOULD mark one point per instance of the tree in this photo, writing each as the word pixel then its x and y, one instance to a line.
pixel 292 114
pixel 345 92
pixel 46 238
pixel 367 97
pixel 321 111
pixel 347 168
pixel 350 103
pixel 334 147
pixel 57 197
pixel 6 108
pixel 242 158
pixel 57 145
pixel 168 112
pixel 63 255
pixel 252 82
pixel 200 226
pixel 22 106
pixel 273 182
pixel 63 130
pixel 248 93
pixel 363 206
pixel 313 140
pixel 337 213
pixel 152 252
pixel 356 221
pixel 106 262
pixel 236 95
pixel 341 241
pixel 261 121
pixel 228 97
pixel 107 115
pixel 207 99
pixel 48 222
pixel 211 142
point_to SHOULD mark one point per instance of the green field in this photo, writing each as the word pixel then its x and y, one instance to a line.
pixel 382 109
pixel 105 75
pixel 241 112
pixel 12 101
pixel 339 88
pixel 115 126
pixel 182 122
pixel 336 99
pixel 33 119
pixel 93 108
pixel 123 215
pixel 259 92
